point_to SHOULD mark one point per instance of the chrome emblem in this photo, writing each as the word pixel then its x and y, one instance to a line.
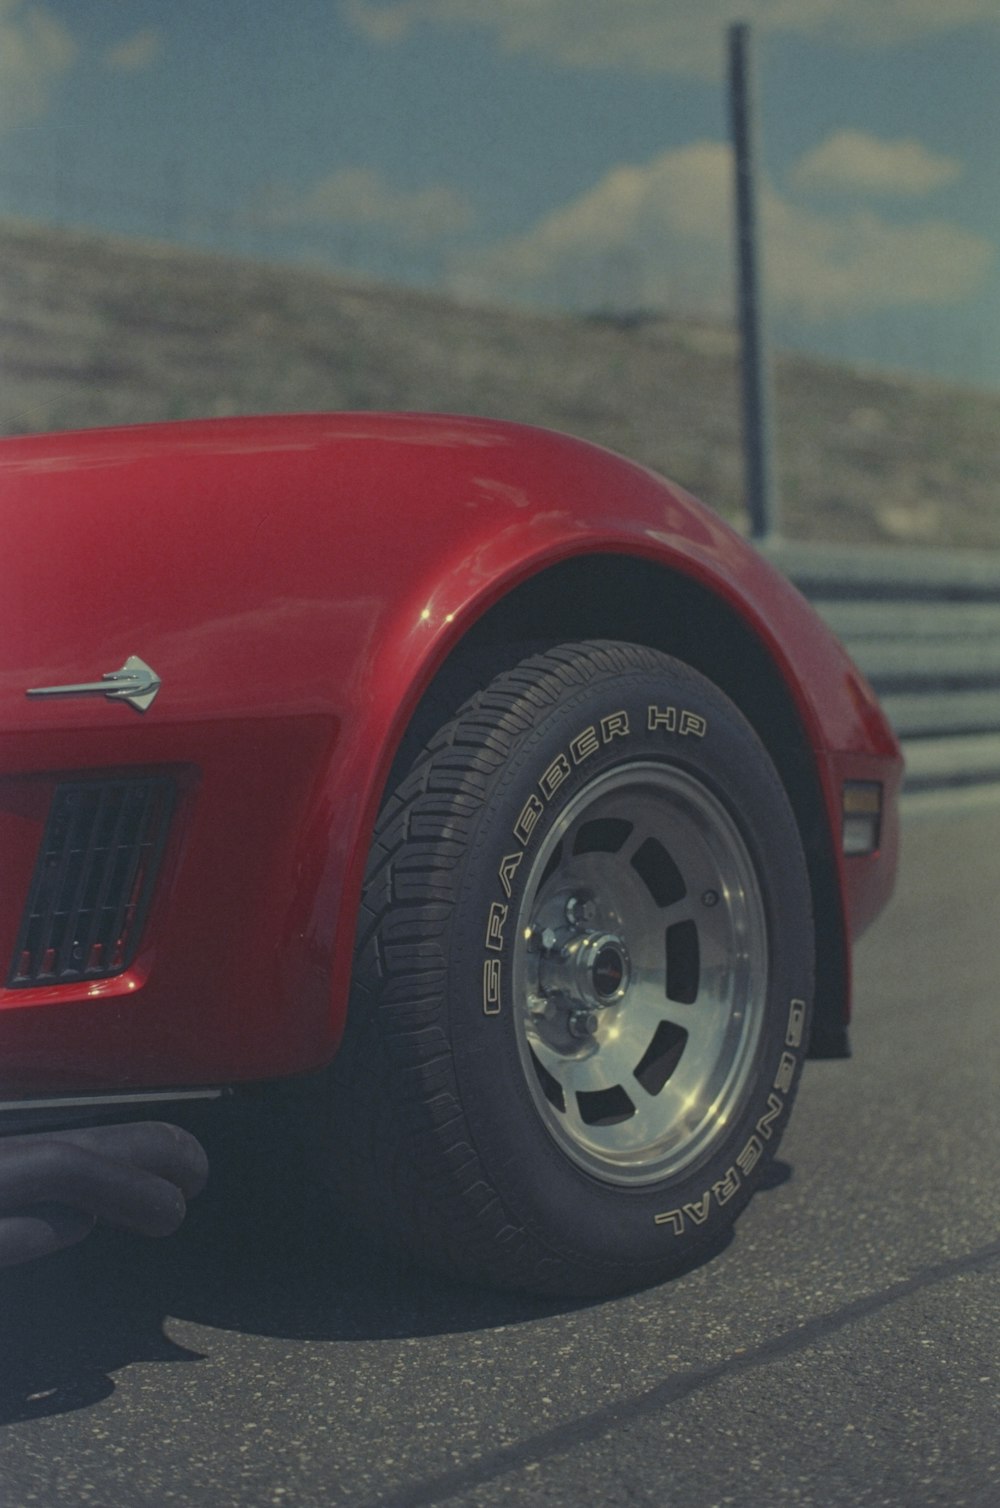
pixel 136 683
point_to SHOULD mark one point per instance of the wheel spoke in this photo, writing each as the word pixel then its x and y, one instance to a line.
pixel 647 1123
pixel 648 1007
pixel 610 1065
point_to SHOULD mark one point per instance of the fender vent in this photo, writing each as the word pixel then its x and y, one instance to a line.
pixel 93 881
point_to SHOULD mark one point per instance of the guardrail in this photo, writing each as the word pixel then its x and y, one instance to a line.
pixel 925 629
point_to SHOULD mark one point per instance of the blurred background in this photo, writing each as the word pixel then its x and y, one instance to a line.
pixel 523 208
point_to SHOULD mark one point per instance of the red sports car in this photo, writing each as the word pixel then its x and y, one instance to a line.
pixel 472 778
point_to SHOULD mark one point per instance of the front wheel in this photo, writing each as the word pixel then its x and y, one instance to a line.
pixel 582 981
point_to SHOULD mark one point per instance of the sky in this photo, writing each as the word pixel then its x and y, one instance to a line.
pixel 561 153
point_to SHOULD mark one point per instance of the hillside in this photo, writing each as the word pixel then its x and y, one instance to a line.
pixel 97 330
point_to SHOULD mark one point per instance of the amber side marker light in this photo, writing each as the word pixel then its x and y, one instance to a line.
pixel 862 816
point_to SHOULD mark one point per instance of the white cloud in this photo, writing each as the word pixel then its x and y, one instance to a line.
pixel 826 266
pixel 380 23
pixel 362 197
pixel 36 50
pixel 136 53
pixel 855 162
pixel 660 234
pixel 664 36
pixel 663 226
pixel 877 23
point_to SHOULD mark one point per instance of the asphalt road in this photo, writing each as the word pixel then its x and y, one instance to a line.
pixel 843 1349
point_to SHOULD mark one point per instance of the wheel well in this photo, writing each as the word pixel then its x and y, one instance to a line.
pixel 618 597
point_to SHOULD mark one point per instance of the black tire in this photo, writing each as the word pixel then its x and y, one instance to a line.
pixel 582 980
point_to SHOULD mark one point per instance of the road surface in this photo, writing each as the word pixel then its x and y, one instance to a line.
pixel 843 1348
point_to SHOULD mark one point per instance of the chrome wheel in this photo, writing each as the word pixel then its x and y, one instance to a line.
pixel 640 976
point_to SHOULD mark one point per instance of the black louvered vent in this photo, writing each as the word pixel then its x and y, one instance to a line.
pixel 93 881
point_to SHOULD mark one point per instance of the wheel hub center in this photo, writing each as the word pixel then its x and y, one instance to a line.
pixel 590 969
pixel 608 971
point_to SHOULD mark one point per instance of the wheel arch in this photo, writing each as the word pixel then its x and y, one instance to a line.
pixel 640 601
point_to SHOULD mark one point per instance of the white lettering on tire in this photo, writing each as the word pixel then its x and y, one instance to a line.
pixel 747 1159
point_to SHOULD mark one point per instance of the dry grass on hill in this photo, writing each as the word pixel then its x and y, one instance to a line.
pixel 96 330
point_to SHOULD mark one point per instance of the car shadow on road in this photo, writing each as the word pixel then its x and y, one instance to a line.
pixel 277 1263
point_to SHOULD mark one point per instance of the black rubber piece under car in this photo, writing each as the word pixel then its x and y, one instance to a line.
pixel 56 1185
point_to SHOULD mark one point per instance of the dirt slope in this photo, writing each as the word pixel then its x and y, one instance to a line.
pixel 97 330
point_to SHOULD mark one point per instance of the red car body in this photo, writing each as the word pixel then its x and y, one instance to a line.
pixel 298 583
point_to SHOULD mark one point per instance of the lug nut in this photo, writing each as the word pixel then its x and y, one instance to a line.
pixel 582 1023
pixel 541 940
pixel 579 912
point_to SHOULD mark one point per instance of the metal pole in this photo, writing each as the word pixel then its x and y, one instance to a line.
pixel 762 500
